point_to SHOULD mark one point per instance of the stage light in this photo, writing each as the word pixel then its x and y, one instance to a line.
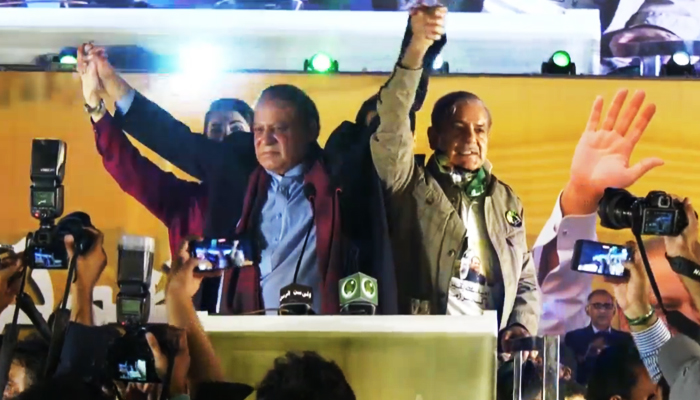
pixel 678 65
pixel 68 56
pixel 68 60
pixel 559 64
pixel 320 63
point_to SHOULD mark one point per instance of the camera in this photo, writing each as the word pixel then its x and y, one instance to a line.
pixel 46 249
pixel 129 357
pixel 657 214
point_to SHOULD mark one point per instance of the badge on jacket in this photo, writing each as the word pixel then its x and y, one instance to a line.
pixel 514 219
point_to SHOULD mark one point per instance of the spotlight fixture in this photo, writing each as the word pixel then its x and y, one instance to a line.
pixel 559 64
pixel 320 63
pixel 678 65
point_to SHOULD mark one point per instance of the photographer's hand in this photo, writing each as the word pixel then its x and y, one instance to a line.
pixel 602 155
pixel 632 294
pixel 88 270
pixel 9 282
pixel 181 366
pixel 686 245
pixel 183 282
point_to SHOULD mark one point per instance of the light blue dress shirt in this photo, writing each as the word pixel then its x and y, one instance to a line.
pixel 284 221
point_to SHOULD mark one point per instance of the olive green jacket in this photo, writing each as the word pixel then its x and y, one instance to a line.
pixel 426 230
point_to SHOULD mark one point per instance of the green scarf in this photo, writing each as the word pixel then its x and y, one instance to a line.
pixel 472 183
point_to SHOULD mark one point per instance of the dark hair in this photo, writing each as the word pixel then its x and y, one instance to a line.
pixel 600 291
pixel 305 107
pixel 570 388
pixel 371 105
pixel 31 354
pixel 305 376
pixel 227 105
pixel 64 387
pixel 445 105
pixel 614 373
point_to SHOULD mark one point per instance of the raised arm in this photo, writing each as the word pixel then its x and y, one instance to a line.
pixel 601 160
pixel 162 193
pixel 392 144
pixel 154 127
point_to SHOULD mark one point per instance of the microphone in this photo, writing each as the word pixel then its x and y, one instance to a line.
pixel 358 295
pixel 297 299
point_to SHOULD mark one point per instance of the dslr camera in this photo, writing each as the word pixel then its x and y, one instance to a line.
pixel 657 214
pixel 129 357
pixel 46 249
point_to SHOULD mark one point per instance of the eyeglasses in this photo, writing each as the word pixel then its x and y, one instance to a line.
pixel 603 306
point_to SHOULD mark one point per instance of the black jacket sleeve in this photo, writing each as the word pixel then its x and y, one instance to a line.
pixel 156 129
pixel 223 391
pixel 85 349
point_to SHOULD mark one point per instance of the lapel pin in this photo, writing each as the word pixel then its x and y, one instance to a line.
pixel 514 219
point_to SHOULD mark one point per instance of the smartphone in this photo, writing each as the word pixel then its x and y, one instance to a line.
pixel 220 254
pixel 600 258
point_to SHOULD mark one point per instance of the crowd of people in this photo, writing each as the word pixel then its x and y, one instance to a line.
pixel 443 236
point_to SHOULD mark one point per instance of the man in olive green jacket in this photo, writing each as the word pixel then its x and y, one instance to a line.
pixel 458 234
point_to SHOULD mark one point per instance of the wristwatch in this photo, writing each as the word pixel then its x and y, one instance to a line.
pixel 95 110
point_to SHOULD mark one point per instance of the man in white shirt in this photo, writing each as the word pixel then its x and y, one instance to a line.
pixel 601 160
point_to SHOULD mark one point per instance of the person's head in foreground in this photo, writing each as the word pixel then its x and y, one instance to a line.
pixel 459 134
pixel 64 388
pixel 305 376
pixel 27 365
pixel 619 374
pixel 286 124
pixel 227 116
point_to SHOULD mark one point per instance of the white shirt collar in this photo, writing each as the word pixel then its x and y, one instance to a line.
pixel 596 330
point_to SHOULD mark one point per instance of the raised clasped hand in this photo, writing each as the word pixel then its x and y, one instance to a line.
pixel 93 90
pixel 427 24
pixel 602 155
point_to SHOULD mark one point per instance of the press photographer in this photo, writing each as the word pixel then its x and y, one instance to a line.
pixel 662 356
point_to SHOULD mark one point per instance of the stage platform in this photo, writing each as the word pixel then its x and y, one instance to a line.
pixel 383 357
pixel 281 40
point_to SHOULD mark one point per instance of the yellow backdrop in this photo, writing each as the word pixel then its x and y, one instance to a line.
pixel 537 122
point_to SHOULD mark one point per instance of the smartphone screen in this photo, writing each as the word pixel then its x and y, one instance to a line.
pixel 600 258
pixel 133 371
pixel 46 259
pixel 219 254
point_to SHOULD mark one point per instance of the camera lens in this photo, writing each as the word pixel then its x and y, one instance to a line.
pixel 616 209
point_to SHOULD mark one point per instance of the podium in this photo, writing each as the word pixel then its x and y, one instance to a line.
pixel 383 357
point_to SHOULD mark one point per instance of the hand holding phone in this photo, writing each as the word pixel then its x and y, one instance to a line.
pixel 221 254
pixel 598 258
